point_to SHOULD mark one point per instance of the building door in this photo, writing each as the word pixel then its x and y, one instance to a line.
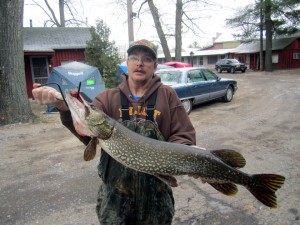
pixel 39 69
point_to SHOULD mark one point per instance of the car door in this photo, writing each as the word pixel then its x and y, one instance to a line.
pixel 216 88
pixel 197 86
pixel 225 64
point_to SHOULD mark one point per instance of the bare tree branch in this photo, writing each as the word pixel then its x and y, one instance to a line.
pixel 52 13
pixel 44 11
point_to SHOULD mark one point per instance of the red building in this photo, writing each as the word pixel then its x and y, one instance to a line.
pixel 45 48
pixel 285 53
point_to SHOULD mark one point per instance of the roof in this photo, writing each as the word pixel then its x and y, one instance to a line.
pixel 246 47
pixel 76 66
pixel 214 52
pixel 184 52
pixel 47 39
pixel 254 46
pixel 183 69
pixel 202 52
pixel 225 37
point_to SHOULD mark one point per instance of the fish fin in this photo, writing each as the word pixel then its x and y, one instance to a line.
pixel 169 180
pixel 230 157
pixel 264 188
pixel 90 150
pixel 229 189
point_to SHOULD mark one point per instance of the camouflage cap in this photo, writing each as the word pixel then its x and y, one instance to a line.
pixel 143 44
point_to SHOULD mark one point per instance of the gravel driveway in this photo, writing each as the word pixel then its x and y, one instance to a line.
pixel 44 179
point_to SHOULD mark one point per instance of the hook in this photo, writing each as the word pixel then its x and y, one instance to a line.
pixel 62 94
pixel 78 90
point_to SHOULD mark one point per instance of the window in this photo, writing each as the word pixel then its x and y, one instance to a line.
pixel 170 77
pixel 274 58
pixel 209 75
pixel 296 55
pixel 39 69
pixel 212 59
pixel 195 76
pixel 201 60
pixel 240 59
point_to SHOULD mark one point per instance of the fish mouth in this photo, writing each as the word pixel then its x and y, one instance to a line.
pixel 80 110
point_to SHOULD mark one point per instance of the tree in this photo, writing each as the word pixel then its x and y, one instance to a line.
pixel 14 103
pixel 159 30
pixel 61 22
pixel 187 15
pixel 178 30
pixel 269 33
pixel 101 53
pixel 195 44
pixel 276 18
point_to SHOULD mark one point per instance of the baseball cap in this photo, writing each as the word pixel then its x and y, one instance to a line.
pixel 143 44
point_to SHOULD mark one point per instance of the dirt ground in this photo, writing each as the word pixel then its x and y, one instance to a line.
pixel 44 179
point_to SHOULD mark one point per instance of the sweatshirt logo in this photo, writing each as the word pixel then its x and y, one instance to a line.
pixel 141 112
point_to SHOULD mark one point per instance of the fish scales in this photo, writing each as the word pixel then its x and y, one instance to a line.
pixel 165 159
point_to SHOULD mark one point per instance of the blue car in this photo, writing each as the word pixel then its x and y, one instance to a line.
pixel 195 85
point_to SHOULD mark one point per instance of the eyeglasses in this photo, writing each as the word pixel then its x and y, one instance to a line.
pixel 145 59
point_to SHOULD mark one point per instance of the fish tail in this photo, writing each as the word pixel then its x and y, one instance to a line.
pixel 264 187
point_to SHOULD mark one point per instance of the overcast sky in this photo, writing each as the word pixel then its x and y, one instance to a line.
pixel 115 17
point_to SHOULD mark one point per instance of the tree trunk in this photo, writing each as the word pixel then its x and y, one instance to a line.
pixel 130 22
pixel 160 31
pixel 14 103
pixel 178 38
pixel 261 39
pixel 62 13
pixel 268 23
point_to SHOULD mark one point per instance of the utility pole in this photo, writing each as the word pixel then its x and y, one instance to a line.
pixel 130 21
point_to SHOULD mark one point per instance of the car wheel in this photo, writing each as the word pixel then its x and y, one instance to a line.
pixel 232 70
pixel 243 71
pixel 187 104
pixel 229 95
pixel 219 70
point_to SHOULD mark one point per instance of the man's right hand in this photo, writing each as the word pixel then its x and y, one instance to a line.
pixel 48 96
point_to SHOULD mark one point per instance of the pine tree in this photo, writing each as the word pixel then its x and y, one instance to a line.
pixel 285 18
pixel 103 54
pixel 275 17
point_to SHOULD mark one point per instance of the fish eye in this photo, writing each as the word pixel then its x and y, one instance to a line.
pixel 93 107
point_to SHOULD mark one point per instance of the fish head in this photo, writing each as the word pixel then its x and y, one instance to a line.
pixel 86 120
pixel 79 111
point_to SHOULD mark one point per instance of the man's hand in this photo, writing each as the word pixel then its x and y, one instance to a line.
pixel 48 96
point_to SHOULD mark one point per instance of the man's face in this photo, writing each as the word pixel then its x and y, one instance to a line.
pixel 141 66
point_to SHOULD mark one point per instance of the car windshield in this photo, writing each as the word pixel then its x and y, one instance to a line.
pixel 170 77
pixel 233 61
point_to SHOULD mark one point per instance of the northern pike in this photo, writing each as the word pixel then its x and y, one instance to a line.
pixel 165 159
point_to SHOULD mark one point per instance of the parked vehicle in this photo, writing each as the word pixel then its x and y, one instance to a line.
pixel 195 85
pixel 230 65
pixel 178 64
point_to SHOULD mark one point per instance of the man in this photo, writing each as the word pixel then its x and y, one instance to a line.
pixel 142 103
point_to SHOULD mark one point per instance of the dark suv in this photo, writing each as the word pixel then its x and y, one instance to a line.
pixel 230 65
